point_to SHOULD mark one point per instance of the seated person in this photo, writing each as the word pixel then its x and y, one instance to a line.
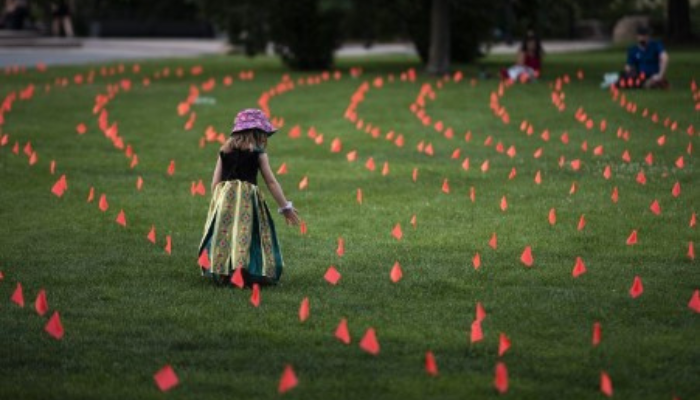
pixel 529 63
pixel 646 63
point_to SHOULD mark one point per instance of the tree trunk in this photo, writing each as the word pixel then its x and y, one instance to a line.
pixel 678 23
pixel 439 54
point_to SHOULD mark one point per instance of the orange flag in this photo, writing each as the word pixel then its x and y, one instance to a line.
pixel 480 313
pixel 303 228
pixel 81 128
pixel 304 310
pixel 288 380
pixel 526 257
pixel 369 164
pixel 500 381
pixel 40 304
pixel 413 221
pixel 504 203
pixel 359 196
pixel 168 244
pixel 655 207
pixel 282 169
pixel 445 186
pixel 165 378
pixel 430 364
pixel 203 260
pixel 336 146
pixel 369 342
pixel 304 183
pixel 614 196
pixel 385 169
pixel 476 333
pixel 340 250
pixel 33 158
pixel 237 278
pixel 694 303
pixel 581 223
pixel 693 220
pixel 637 288
pixel 476 261
pixel 579 268
pixel 332 275
pixel 352 156
pixel 397 232
pixel 597 334
pixel 171 168
pixel 503 344
pixel 60 186
pixel 255 295
pixel 396 273
pixel 152 234
pixel 493 242
pixel 139 183
pixel 342 333
pixel 691 251
pixel 414 175
pixel 121 218
pixel 606 384
pixel 54 327
pixel 676 191
pixel 632 238
pixel 18 296
pixel 552 218
pixel 103 203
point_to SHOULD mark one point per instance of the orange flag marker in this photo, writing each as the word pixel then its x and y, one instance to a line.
pixel 476 261
pixel 581 222
pixel 413 221
pixel 304 310
pixel 597 334
pixel 476 333
pixel 288 380
pixel 504 203
pixel 369 342
pixel 336 146
pixel 54 327
pixel 60 186
pixel 385 169
pixel 303 228
pixel 493 242
pixel 606 384
pixel 81 128
pixel 396 273
pixel 693 220
pixel 414 174
pixel 691 251
pixel 171 168
pixel 397 232
pixel 40 304
pixel 526 257
pixel 341 332
pixel 168 244
pixel 359 196
pixel 18 296
pixel 480 313
pixel 655 207
pixel 579 268
pixel 676 191
pixel 445 186
pixel 500 381
pixel 352 156
pixel 430 364
pixel 255 295
pixel 340 250
pixel 694 303
pixel 332 275
pixel 165 378
pixel 632 238
pixel 203 260
pixel 121 218
pixel 538 177
pixel 237 278
pixel 369 164
pixel 304 183
pixel 637 288
pixel 139 183
pixel 103 203
pixel 503 344
pixel 282 169
pixel 152 234
pixel 552 217
pixel 615 195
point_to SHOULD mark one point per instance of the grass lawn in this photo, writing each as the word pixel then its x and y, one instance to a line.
pixel 128 307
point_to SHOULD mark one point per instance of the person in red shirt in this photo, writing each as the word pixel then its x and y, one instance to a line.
pixel 529 62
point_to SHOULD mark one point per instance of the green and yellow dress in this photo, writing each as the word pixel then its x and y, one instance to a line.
pixel 239 231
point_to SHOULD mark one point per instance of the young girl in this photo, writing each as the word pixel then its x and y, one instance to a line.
pixel 529 62
pixel 239 237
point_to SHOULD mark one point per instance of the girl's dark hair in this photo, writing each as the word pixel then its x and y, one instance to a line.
pixel 531 36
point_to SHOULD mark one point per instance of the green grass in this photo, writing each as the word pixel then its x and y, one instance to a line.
pixel 128 308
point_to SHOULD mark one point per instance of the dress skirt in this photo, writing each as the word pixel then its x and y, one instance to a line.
pixel 239 233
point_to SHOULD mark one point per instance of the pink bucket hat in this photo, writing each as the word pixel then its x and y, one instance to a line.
pixel 252 118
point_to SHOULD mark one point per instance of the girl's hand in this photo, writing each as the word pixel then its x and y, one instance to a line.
pixel 291 216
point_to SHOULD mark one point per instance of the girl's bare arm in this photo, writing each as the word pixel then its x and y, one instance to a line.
pixel 271 181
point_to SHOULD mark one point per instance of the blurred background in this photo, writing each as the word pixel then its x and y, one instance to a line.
pixel 307 33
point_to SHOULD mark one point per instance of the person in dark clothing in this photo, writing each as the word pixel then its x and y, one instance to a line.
pixel 646 65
